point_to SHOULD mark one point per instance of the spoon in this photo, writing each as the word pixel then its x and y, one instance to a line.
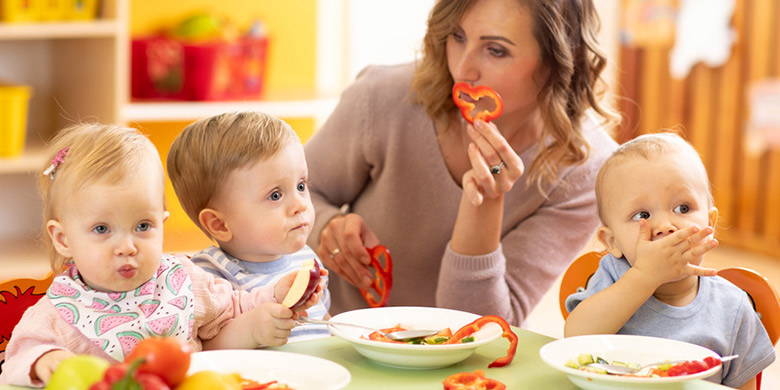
pixel 624 370
pixel 400 335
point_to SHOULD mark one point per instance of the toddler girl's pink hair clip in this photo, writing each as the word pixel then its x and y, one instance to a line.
pixel 58 159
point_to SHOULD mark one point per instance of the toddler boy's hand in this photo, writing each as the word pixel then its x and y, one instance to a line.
pixel 675 256
pixel 273 323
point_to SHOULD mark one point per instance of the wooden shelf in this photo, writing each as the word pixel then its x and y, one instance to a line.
pixel 30 161
pixel 173 111
pixel 58 30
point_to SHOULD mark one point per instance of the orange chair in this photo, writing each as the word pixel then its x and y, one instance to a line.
pixel 577 276
pixel 764 298
pixel 16 295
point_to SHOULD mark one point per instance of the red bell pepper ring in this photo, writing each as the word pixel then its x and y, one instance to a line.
pixel 376 336
pixel 467 106
pixel 477 324
pixel 383 277
pixel 472 381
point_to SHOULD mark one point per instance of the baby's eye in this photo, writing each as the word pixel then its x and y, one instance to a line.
pixel 640 215
pixel 276 195
pixel 682 209
pixel 301 186
pixel 143 227
pixel 100 229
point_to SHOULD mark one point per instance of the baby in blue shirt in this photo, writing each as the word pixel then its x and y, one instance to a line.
pixel 657 217
pixel 243 179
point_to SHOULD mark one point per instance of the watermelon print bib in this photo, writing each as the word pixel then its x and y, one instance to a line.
pixel 117 321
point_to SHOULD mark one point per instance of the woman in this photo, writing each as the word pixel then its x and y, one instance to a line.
pixel 396 164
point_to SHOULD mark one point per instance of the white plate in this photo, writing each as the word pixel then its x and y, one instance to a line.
pixel 412 356
pixel 301 372
pixel 625 348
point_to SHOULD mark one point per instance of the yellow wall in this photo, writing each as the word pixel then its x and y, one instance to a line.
pixel 291 26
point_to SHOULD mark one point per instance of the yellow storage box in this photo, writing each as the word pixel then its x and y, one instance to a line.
pixel 19 11
pixel 14 100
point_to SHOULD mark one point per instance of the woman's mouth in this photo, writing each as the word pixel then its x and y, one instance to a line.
pixel 127 271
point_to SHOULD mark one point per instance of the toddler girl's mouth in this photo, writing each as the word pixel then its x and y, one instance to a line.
pixel 127 271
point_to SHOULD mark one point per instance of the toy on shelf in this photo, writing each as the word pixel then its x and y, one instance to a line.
pixel 14 101
pixel 31 11
pixel 202 58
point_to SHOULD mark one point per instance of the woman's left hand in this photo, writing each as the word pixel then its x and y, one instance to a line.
pixel 495 166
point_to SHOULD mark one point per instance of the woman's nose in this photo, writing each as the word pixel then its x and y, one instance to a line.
pixel 466 68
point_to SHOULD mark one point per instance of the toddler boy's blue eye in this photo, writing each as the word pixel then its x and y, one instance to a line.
pixel 682 209
pixel 143 226
pixel 301 187
pixel 100 229
pixel 276 195
pixel 640 215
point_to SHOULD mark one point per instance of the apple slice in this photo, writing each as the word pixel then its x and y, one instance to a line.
pixel 306 281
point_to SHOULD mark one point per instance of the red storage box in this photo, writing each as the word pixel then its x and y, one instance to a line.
pixel 165 68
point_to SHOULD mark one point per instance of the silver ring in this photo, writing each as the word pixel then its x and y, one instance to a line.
pixel 334 252
pixel 496 169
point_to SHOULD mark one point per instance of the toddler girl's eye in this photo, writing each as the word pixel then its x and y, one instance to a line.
pixel 640 215
pixel 100 229
pixel 276 195
pixel 682 209
pixel 143 226
pixel 301 186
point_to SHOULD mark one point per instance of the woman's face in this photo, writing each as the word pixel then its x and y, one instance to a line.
pixel 493 45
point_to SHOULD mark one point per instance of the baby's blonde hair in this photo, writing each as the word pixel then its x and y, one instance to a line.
pixel 207 151
pixel 93 153
pixel 648 146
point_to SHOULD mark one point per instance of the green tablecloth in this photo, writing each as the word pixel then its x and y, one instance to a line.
pixel 527 371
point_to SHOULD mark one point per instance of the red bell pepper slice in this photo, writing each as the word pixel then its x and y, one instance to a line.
pixel 376 336
pixel 472 381
pixel 477 324
pixel 467 105
pixel 383 277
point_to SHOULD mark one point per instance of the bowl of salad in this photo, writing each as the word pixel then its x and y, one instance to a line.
pixel 430 352
pixel 677 361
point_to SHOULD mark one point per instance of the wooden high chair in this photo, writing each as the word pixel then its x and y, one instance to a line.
pixel 765 299
pixel 16 295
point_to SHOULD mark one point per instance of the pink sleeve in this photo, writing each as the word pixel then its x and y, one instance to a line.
pixel 217 302
pixel 510 281
pixel 35 334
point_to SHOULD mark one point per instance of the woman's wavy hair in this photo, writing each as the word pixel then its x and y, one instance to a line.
pixel 566 33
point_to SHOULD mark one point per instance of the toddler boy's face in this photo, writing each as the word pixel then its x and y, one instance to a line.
pixel 667 190
pixel 267 206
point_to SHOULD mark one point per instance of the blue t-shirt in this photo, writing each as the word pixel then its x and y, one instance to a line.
pixel 248 275
pixel 720 318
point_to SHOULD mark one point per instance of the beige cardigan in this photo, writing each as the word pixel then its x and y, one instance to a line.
pixel 378 153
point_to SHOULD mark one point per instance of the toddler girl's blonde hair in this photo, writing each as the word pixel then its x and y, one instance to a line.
pixel 85 154
pixel 207 151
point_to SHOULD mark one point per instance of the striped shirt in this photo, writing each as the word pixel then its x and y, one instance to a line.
pixel 248 275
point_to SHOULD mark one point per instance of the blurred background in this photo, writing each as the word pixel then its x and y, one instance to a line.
pixel 708 68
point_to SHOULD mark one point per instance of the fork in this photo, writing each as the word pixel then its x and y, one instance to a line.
pixel 624 370
pixel 397 335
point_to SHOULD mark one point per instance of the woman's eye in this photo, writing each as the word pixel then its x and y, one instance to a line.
pixel 100 229
pixel 458 37
pixel 682 209
pixel 301 186
pixel 640 215
pixel 276 195
pixel 143 227
pixel 497 52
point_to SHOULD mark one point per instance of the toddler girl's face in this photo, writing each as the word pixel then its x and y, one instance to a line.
pixel 668 190
pixel 267 206
pixel 114 232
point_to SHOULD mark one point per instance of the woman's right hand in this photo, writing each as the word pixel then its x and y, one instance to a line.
pixel 342 248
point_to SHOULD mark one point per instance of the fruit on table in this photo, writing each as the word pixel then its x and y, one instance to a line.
pixel 77 373
pixel 211 380
pixel 472 381
pixel 304 285
pixel 166 357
